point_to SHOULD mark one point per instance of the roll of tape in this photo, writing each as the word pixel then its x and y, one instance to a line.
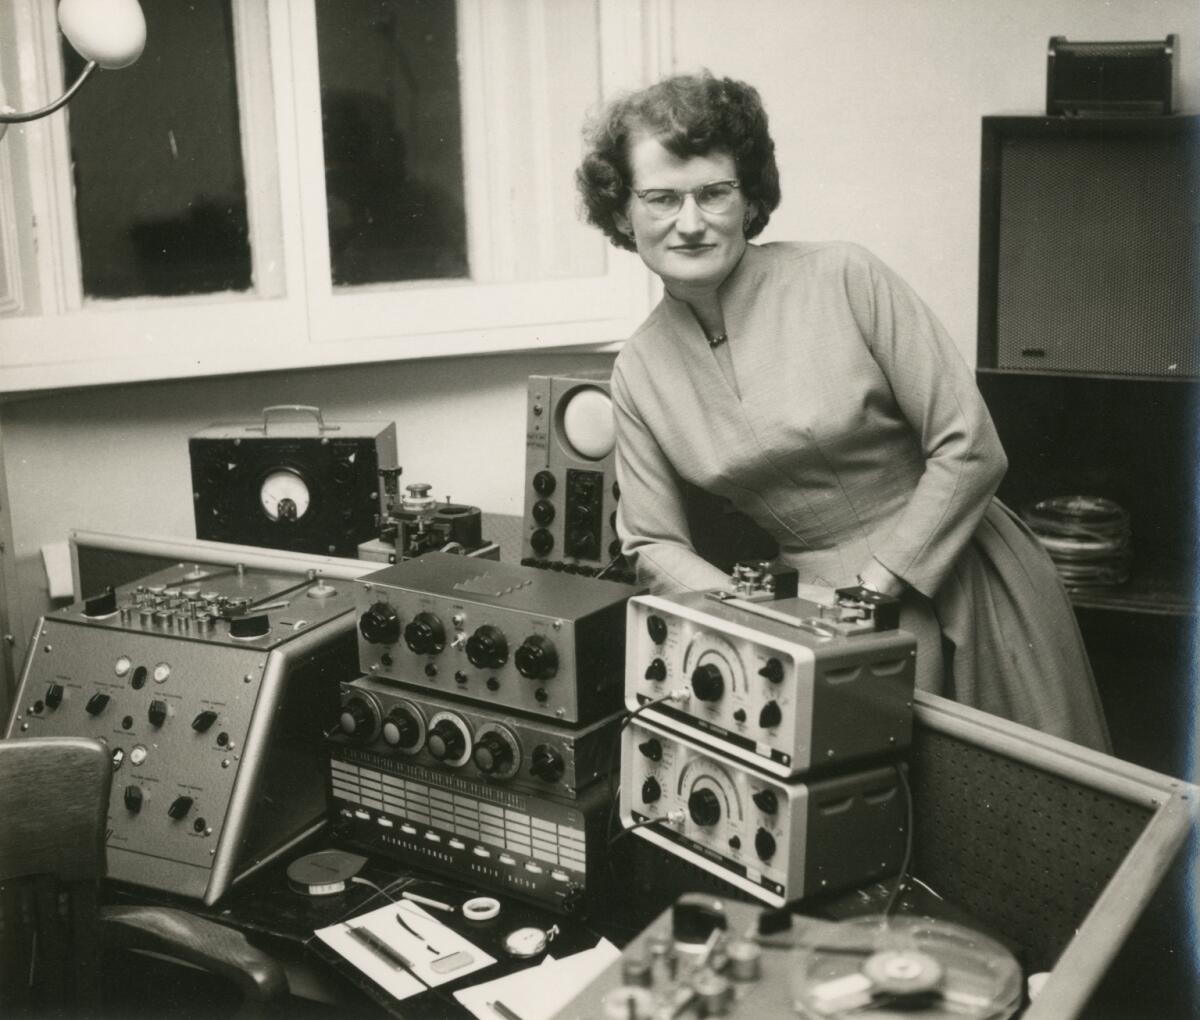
pixel 481 908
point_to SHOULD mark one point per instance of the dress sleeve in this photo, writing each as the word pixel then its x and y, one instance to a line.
pixel 936 393
pixel 651 514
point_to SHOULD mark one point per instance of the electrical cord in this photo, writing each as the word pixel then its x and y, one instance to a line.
pixel 906 861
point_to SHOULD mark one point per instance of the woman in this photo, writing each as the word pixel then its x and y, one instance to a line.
pixel 809 385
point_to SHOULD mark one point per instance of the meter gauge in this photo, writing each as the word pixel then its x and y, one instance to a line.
pixel 284 495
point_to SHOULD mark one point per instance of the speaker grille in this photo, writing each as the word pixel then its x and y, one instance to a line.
pixel 1099 255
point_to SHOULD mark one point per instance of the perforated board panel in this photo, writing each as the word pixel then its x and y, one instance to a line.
pixel 1026 850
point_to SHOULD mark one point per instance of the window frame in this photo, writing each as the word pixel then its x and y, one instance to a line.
pixel 293 317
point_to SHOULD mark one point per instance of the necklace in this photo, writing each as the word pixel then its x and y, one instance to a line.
pixel 717 339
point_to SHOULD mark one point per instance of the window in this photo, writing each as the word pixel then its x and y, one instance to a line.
pixel 288 183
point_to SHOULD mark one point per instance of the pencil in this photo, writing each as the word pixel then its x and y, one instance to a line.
pixel 503 1010
pixel 379 947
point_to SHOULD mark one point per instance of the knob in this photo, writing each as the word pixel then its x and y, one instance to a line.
pixel 358 718
pixel 256 626
pixel 740 715
pixel 157 713
pixel 400 729
pixel 651 791
pixel 104 604
pixel 380 625
pixel 54 695
pixel 656 671
pixel 536 658
pixel 133 799
pixel 651 748
pixel 773 670
pixel 487 648
pixel 446 741
pixel 425 635
pixel 771 715
pixel 707 682
pixel 492 754
pixel 180 807
pixel 657 628
pixel 543 512
pixel 766 801
pixel 97 703
pixel 704 806
pixel 764 844
pixel 583 544
pixel 544 483
pixel 204 720
pixel 542 542
pixel 546 764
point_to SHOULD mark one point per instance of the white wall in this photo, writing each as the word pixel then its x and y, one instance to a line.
pixel 875 105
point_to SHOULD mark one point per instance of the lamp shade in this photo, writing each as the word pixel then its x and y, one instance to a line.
pixel 110 32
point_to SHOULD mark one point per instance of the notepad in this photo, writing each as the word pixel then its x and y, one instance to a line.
pixel 436 954
pixel 537 993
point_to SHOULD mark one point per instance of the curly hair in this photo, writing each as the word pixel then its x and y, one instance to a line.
pixel 690 115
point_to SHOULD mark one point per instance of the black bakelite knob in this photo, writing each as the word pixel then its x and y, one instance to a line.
pixel 425 635
pixel 652 749
pixel 380 625
pixel 487 648
pixel 773 671
pixel 704 806
pixel 766 801
pixel 656 626
pixel 651 791
pixel 157 713
pixel 54 695
pixel 546 764
pixel 543 512
pixel 180 807
pixel 492 753
pixel 656 671
pixel 97 703
pixel 133 799
pixel 446 741
pixel 542 542
pixel 400 729
pixel 357 719
pixel 204 720
pixel 707 682
pixel 764 844
pixel 544 483
pixel 771 715
pixel 537 658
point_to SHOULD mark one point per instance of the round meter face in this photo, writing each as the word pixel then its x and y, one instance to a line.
pixel 587 423
pixel 284 495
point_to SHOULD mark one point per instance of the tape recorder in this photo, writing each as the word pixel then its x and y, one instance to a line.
pixel 543 643
pixel 289 483
pixel 210 685
pixel 570 477
pixel 786 684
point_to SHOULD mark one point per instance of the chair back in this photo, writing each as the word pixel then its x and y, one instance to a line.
pixel 53 809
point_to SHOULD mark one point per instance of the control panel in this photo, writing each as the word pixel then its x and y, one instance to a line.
pixel 775 839
pixel 545 643
pixel 789 685
pixel 379 722
pixel 209 686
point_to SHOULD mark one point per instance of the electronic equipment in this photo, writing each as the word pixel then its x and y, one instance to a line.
pixel 708 957
pixel 291 484
pixel 570 477
pixel 378 721
pixel 549 850
pixel 777 840
pixel 786 684
pixel 413 522
pixel 535 641
pixel 1110 77
pixel 1087 245
pixel 210 685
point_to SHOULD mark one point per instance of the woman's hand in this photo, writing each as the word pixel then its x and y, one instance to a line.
pixel 877 577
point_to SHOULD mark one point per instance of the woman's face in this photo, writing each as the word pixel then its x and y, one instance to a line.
pixel 693 250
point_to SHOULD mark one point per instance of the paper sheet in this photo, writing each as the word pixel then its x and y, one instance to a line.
pixel 537 993
pixel 433 942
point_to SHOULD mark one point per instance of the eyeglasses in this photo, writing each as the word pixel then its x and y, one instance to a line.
pixel 714 197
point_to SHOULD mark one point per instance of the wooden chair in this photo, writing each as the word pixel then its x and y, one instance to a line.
pixel 53 809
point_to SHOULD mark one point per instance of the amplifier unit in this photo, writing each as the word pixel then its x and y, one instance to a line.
pixel 779 841
pixel 476 742
pixel 570 478
pixel 788 685
pixel 290 484
pixel 533 641
pixel 210 686
pixel 544 849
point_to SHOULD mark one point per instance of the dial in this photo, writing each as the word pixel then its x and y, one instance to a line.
pixel 536 658
pixel 449 739
pixel 495 754
pixel 380 625
pixel 707 681
pixel 425 635
pixel 704 806
pixel 284 495
pixel 403 729
pixel 547 764
pixel 359 718
pixel 487 648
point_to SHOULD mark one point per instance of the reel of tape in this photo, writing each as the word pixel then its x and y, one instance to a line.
pixel 881 967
